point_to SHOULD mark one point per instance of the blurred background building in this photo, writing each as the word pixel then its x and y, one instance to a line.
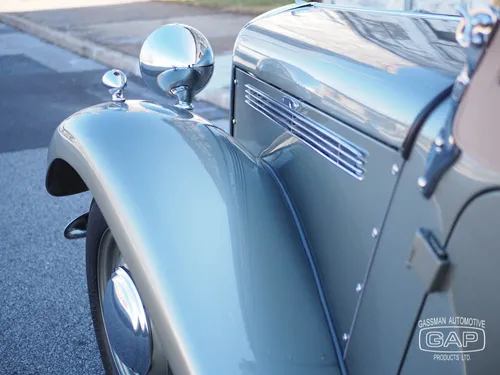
pixel 438 6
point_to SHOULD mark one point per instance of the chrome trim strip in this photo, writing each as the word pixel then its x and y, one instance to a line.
pixel 354 172
pixel 342 153
pixel 337 146
pixel 328 133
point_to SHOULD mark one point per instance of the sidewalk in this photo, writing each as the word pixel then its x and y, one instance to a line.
pixel 112 31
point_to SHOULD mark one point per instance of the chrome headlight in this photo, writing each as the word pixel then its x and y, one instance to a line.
pixel 177 60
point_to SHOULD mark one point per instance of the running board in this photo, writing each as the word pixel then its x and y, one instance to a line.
pixel 77 228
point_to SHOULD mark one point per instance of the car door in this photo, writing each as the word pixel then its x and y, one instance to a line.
pixel 429 305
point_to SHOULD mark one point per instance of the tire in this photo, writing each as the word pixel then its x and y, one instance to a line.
pixel 96 228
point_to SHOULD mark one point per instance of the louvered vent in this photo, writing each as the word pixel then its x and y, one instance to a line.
pixel 336 149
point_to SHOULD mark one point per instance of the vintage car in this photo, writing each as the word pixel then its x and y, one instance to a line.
pixel 347 224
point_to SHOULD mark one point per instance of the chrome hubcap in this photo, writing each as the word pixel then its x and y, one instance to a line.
pixel 127 323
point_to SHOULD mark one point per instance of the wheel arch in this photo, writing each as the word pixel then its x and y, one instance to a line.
pixel 213 246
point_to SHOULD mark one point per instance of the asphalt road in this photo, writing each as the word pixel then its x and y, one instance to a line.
pixel 45 324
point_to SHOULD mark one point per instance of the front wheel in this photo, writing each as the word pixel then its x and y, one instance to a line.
pixel 122 327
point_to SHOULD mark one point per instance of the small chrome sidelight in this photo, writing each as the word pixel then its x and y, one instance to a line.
pixel 127 323
pixel 116 81
pixel 177 60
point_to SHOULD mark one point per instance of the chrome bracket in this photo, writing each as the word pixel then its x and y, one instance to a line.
pixel 429 260
pixel 290 103
pixel 77 228
pixel 473 34
pixel 184 97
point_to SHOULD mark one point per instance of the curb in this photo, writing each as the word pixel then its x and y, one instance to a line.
pixel 227 8
pixel 82 47
pixel 104 55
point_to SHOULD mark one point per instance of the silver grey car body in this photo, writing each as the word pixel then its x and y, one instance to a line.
pixel 302 243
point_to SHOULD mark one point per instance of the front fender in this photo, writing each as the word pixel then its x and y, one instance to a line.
pixel 206 231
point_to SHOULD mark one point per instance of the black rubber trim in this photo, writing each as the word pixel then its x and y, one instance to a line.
pixel 96 228
pixel 407 145
pixel 232 101
pixel 321 294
